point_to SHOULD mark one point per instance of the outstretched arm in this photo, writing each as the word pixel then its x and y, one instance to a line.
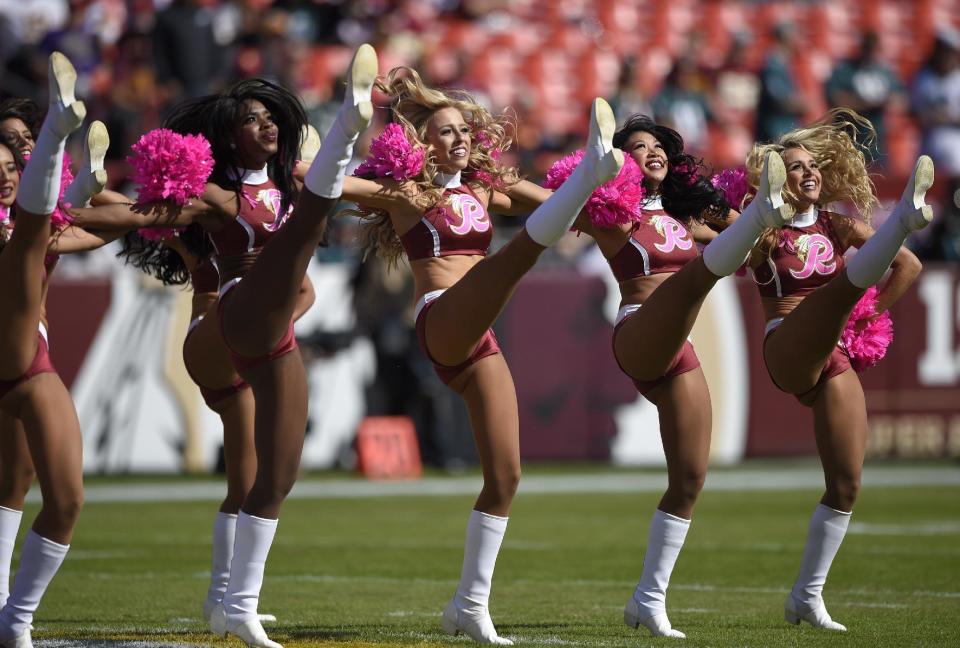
pixel 381 193
pixel 108 197
pixel 904 270
pixel 519 199
pixel 208 210
pixel 74 239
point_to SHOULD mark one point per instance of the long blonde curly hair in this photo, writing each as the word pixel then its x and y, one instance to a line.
pixel 832 141
pixel 412 104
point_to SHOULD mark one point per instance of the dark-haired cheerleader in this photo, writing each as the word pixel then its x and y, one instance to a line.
pixel 263 246
pixel 175 260
pixel 663 283
pixel 31 392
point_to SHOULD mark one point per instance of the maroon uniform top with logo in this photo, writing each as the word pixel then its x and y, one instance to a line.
pixel 457 224
pixel 805 259
pixel 657 244
pixel 258 219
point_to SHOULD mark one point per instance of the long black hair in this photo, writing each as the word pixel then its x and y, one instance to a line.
pixel 686 192
pixel 162 261
pixel 217 118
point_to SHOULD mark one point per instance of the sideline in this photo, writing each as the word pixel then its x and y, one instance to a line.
pixel 747 479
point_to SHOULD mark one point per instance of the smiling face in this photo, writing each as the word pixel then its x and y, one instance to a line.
pixel 17 131
pixel 803 177
pixel 256 139
pixel 448 139
pixel 649 155
pixel 9 177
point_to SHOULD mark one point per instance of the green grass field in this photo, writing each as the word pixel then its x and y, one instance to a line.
pixel 379 571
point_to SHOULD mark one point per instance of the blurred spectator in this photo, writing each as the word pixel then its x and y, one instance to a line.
pixel 188 58
pixel 866 84
pixel 79 41
pixel 781 105
pixel 27 22
pixel 936 102
pixel 682 103
pixel 630 98
pixel 736 84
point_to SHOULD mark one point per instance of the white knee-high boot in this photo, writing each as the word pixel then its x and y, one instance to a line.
pixel 648 605
pixel 727 252
pixel 601 162
pixel 39 562
pixel 9 527
pixel 805 601
pixel 468 612
pixel 40 183
pixel 237 613
pixel 325 175
pixel 870 262
pixel 91 177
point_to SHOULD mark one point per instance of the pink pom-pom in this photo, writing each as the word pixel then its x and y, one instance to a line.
pixel 733 183
pixel 4 214
pixel 392 156
pixel 170 166
pixel 867 340
pixel 616 202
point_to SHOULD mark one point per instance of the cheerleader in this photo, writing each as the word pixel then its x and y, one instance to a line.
pixel 647 224
pixel 262 248
pixel 426 194
pixel 20 121
pixel 30 389
pixel 177 260
pixel 808 292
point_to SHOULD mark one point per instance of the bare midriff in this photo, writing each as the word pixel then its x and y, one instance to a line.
pixel 439 273
pixel 639 289
pixel 235 266
pixel 774 307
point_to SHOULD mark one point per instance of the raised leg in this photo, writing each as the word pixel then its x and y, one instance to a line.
pixel 91 177
pixel 272 286
pixel 648 341
pixel 767 210
pixel 21 264
pixel 798 349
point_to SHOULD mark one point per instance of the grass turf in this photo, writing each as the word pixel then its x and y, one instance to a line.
pixel 379 571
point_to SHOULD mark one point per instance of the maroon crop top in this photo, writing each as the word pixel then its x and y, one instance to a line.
pixel 457 224
pixel 805 259
pixel 258 219
pixel 658 244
